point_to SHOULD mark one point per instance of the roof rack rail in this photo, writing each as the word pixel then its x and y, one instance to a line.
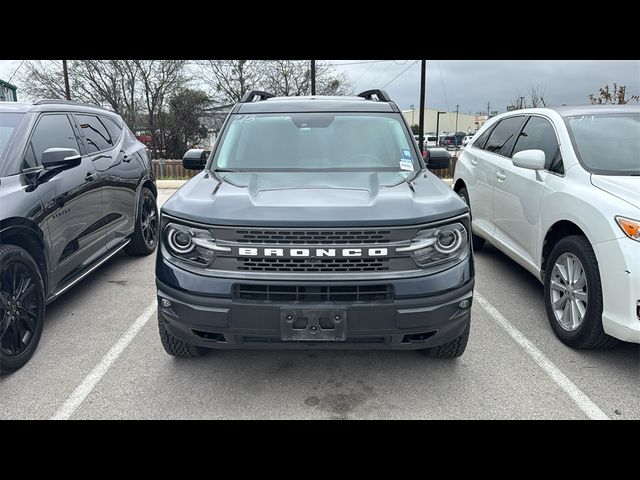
pixel 381 95
pixel 50 101
pixel 250 96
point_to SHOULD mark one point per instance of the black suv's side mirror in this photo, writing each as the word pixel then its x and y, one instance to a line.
pixel 195 159
pixel 60 158
pixel 437 159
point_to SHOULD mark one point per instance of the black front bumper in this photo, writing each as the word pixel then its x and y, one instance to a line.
pixel 425 312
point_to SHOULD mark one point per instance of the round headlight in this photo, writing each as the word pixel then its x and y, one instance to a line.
pixel 448 240
pixel 180 241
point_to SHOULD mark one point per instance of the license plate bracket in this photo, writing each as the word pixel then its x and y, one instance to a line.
pixel 313 324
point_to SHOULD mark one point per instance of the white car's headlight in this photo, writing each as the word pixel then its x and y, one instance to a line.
pixel 631 228
pixel 192 245
pixel 438 246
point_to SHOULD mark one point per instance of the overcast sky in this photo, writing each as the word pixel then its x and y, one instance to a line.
pixel 473 83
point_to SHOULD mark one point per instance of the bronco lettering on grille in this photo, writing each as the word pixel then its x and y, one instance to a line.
pixel 312 252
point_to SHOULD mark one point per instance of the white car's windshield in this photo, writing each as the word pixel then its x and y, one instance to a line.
pixel 316 142
pixel 8 124
pixel 608 144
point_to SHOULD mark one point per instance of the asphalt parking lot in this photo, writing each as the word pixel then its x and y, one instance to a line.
pixel 100 358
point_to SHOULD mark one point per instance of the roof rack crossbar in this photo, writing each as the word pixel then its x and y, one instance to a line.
pixel 381 95
pixel 251 95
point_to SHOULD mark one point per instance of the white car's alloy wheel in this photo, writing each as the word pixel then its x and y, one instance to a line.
pixel 569 292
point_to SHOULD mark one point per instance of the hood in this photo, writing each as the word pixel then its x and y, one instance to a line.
pixel 314 199
pixel 625 187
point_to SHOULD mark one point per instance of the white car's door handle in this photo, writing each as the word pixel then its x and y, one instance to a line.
pixel 473 162
pixel 501 176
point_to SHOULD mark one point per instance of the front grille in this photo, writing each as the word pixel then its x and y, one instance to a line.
pixel 313 294
pixel 315 237
pixel 270 264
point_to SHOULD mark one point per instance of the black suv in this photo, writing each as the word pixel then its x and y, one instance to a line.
pixel 315 224
pixel 75 187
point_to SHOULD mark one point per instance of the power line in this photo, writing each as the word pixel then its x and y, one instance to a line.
pixel 381 74
pixel 394 78
pixel 362 63
pixel 444 90
pixel 16 71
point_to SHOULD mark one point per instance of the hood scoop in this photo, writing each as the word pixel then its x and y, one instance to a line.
pixel 261 183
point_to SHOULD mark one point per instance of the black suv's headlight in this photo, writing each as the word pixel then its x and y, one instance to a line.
pixel 439 246
pixel 192 245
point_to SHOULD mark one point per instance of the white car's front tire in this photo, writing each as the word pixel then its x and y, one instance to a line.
pixel 573 294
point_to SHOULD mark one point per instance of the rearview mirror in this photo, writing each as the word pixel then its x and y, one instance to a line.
pixel 60 158
pixel 530 159
pixel 195 159
pixel 437 158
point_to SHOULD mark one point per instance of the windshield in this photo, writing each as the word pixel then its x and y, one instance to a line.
pixel 8 124
pixel 318 141
pixel 608 144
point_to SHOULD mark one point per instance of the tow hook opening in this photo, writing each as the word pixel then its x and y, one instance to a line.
pixel 418 337
pixel 212 336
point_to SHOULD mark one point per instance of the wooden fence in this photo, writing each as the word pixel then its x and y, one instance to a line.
pixel 173 170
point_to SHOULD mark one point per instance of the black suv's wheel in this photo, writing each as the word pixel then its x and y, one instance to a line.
pixel 452 349
pixel 573 294
pixel 145 236
pixel 477 241
pixel 22 305
pixel 176 347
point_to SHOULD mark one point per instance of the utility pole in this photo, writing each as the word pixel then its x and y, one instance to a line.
pixel 313 77
pixel 423 83
pixel 65 72
pixel 455 133
pixel 438 127
pixel 488 110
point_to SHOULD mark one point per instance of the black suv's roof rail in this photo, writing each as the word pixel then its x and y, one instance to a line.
pixel 53 101
pixel 381 95
pixel 249 96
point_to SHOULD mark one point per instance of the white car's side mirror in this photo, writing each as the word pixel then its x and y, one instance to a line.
pixel 531 159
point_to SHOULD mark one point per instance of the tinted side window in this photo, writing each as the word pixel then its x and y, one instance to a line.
pixel 539 134
pixel 503 136
pixel 114 129
pixel 482 139
pixel 95 133
pixel 51 131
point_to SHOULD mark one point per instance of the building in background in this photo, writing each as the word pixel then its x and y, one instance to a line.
pixel 8 92
pixel 466 123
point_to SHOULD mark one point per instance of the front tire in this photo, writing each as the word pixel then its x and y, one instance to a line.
pixel 452 349
pixel 22 306
pixel 478 242
pixel 573 295
pixel 176 347
pixel 145 235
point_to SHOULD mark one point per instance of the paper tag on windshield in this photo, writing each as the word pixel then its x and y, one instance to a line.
pixel 406 154
pixel 406 165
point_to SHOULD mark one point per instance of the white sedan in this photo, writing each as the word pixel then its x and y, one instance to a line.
pixel 558 191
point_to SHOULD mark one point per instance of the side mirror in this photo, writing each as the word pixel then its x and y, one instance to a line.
pixel 195 159
pixel 60 158
pixel 437 158
pixel 530 159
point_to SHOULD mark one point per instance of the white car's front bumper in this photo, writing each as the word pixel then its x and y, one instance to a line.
pixel 619 262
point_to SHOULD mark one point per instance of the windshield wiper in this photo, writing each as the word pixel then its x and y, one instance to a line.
pixel 228 170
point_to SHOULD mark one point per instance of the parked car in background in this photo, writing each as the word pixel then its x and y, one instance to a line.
pixel 75 188
pixel 466 140
pixel 558 191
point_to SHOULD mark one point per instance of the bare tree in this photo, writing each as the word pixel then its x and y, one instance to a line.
pixel 43 79
pixel 228 80
pixel 293 78
pixel 617 97
pixel 536 95
pixel 159 79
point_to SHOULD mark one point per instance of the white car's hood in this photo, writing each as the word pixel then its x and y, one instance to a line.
pixel 626 188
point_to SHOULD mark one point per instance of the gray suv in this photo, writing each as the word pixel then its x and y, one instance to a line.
pixel 315 223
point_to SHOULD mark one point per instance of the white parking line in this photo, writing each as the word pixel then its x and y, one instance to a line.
pixel 581 400
pixel 74 400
